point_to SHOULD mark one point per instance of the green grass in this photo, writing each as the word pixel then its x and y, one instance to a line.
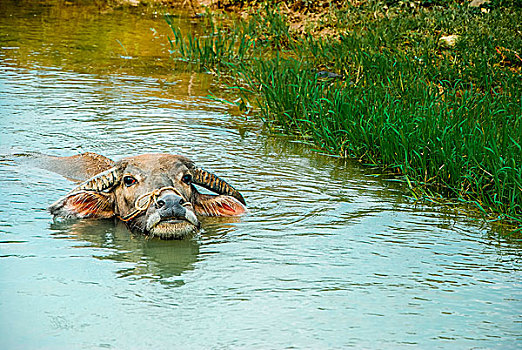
pixel 448 120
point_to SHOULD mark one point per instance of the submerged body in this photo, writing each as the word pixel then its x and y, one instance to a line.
pixel 153 193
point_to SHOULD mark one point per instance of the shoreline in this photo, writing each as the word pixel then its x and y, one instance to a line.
pixel 412 91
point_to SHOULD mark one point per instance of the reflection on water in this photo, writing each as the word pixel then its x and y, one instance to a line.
pixel 146 258
pixel 93 40
pixel 328 255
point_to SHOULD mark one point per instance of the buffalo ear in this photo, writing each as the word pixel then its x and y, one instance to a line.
pixel 84 204
pixel 221 205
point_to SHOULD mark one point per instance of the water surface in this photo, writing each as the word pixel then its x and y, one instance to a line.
pixel 328 256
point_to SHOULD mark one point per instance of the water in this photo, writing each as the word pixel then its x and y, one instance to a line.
pixel 328 256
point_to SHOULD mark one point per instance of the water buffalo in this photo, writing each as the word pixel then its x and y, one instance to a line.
pixel 152 193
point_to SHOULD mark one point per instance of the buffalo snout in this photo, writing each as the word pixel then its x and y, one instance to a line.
pixel 170 208
pixel 170 205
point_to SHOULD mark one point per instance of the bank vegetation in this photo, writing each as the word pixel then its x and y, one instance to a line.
pixel 429 91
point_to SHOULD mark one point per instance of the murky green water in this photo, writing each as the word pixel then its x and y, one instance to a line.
pixel 328 257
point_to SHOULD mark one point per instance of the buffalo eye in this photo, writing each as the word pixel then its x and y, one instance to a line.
pixel 187 178
pixel 129 180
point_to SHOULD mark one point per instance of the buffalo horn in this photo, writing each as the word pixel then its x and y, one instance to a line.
pixel 212 182
pixel 101 182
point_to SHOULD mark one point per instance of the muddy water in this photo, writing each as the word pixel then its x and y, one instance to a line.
pixel 328 256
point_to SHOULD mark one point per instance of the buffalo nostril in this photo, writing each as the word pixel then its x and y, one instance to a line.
pixel 160 203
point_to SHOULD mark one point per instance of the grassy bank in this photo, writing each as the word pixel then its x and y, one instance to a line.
pixel 389 87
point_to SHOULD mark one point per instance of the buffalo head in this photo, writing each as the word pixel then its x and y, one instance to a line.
pixel 154 194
